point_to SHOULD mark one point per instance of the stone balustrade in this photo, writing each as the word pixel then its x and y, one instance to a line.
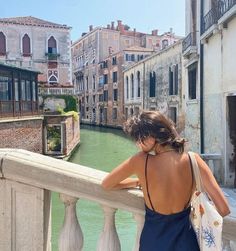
pixel 26 181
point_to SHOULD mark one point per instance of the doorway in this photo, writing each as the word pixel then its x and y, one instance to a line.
pixel 232 135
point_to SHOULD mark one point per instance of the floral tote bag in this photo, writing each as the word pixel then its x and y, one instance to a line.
pixel 206 221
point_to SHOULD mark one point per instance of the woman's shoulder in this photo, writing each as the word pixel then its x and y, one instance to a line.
pixel 138 158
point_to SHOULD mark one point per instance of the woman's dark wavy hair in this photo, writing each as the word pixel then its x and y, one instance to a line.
pixel 156 125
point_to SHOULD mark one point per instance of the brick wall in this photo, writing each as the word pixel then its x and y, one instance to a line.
pixel 22 134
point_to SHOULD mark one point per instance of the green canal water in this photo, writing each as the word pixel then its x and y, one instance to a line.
pixel 102 149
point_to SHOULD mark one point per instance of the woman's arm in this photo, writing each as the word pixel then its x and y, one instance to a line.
pixel 212 188
pixel 119 177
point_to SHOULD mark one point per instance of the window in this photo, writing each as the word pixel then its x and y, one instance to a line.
pixel 132 57
pixel 28 90
pixel 173 114
pixel 104 64
pixel 94 98
pixel 152 85
pixel 23 90
pixel 176 79
pixel 4 88
pixel 132 85
pixel 105 96
pixel 171 82
pixel 87 99
pixel 138 79
pixel 192 81
pixel 101 81
pixel 16 85
pixel 26 45
pixel 105 81
pixel 94 82
pixel 127 87
pixel 52 45
pixel 115 94
pixel 114 113
pixel 34 91
pixel 114 61
pixel 2 44
pixel 87 87
pixel 52 80
pixel 114 76
pixel 100 97
pixel 165 43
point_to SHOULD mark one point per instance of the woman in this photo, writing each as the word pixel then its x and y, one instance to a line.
pixel 164 172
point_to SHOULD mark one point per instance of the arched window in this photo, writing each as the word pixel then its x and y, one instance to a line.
pixel 52 80
pixel 152 85
pixel 26 45
pixel 165 43
pixel 52 45
pixel 127 88
pixel 138 80
pixel 132 85
pixel 2 44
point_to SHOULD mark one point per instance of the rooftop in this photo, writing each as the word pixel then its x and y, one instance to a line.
pixel 32 21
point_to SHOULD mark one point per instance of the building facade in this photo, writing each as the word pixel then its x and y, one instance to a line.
pixel 21 125
pixel 92 52
pixel 155 83
pixel 213 80
pixel 36 44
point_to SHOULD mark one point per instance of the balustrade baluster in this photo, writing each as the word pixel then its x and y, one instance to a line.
pixel 139 218
pixel 109 240
pixel 71 236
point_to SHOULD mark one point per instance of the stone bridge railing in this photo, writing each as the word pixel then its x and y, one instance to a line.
pixel 26 182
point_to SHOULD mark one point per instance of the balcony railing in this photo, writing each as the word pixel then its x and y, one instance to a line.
pixel 216 13
pixel 52 56
pixel 18 108
pixel 190 40
pixel 224 6
pixel 26 181
pixel 56 90
pixel 209 19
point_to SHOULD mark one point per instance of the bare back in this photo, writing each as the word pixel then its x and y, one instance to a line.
pixel 168 180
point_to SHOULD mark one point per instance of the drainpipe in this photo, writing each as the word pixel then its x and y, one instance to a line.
pixel 202 143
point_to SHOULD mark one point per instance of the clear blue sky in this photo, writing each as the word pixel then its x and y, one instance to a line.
pixel 143 15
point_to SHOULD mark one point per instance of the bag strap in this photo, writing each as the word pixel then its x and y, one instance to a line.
pixel 196 172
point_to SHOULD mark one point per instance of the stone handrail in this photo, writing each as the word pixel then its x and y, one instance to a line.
pixel 26 180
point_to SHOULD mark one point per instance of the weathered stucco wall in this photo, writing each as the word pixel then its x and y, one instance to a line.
pixel 219 83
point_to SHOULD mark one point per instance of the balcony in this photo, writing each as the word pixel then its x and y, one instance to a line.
pixel 189 45
pixel 26 181
pixel 18 108
pixel 52 56
pixel 219 15
pixel 56 90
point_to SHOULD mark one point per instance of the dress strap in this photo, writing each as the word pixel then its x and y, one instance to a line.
pixel 146 180
pixel 191 166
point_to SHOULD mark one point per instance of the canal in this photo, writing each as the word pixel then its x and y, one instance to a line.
pixel 102 149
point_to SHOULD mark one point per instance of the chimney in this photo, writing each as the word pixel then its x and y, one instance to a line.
pixel 171 30
pixel 108 26
pixel 112 25
pixel 154 32
pixel 90 27
pixel 120 26
pixel 134 30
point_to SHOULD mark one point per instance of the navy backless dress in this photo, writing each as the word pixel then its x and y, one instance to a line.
pixel 172 232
